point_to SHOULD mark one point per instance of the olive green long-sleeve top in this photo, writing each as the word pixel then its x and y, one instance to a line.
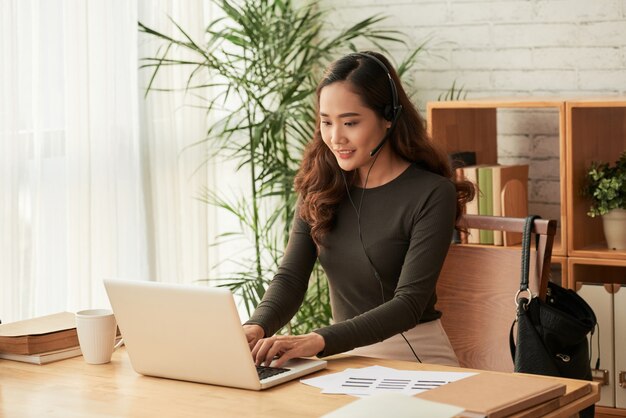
pixel 406 228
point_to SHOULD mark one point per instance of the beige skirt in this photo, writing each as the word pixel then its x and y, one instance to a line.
pixel 429 340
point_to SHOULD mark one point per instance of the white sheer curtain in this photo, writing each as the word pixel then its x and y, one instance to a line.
pixel 84 195
pixel 172 122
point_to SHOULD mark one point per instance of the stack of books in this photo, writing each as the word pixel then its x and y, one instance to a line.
pixel 40 340
pixel 501 190
pixel 496 395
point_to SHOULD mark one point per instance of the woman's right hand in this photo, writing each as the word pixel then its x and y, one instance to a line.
pixel 253 334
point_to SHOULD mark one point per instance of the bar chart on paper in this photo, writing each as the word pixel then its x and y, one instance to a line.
pixel 376 379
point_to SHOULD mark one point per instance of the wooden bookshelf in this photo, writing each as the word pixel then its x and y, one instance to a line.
pixel 605 412
pixel 590 130
pixel 471 125
pixel 596 132
pixel 606 272
pixel 596 270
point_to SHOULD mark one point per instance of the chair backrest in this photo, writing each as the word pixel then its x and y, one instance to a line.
pixel 477 286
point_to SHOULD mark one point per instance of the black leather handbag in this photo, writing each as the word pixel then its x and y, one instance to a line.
pixel 551 334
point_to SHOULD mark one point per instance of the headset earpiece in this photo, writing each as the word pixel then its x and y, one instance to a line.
pixel 392 110
pixel 388 113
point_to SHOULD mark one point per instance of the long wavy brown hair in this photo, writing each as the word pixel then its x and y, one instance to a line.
pixel 319 181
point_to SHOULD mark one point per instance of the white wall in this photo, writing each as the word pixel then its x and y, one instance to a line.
pixel 511 48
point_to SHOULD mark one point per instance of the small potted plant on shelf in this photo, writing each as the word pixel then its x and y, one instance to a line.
pixel 606 187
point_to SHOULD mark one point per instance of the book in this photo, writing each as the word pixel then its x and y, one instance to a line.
pixel 496 395
pixel 39 335
pixel 457 161
pixel 539 410
pixel 501 175
pixel 619 330
pixel 485 200
pixel 514 204
pixel 471 208
pixel 43 358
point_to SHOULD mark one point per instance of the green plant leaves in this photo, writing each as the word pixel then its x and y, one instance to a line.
pixel 605 186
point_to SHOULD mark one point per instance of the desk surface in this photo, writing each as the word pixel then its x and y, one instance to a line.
pixel 72 388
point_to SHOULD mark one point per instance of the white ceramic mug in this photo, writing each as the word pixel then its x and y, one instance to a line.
pixel 96 330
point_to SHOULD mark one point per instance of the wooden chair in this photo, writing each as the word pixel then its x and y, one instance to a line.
pixel 477 286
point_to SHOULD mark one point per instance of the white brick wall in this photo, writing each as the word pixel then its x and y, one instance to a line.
pixel 508 48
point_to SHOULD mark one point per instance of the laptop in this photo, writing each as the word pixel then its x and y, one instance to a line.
pixel 191 333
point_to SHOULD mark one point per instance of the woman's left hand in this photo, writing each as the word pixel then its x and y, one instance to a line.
pixel 286 347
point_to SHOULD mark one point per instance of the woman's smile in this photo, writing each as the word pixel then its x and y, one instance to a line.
pixel 348 127
pixel 345 153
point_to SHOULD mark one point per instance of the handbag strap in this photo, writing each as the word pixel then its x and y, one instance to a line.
pixel 523 287
pixel 526 236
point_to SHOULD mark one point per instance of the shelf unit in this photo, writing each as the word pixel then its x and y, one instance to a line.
pixel 596 131
pixel 595 270
pixel 590 129
pixel 471 125
pixel 603 271
pixel 606 412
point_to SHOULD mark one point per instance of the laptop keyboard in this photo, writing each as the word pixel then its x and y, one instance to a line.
pixel 265 372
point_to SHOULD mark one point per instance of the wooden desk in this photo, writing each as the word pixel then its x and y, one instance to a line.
pixel 72 388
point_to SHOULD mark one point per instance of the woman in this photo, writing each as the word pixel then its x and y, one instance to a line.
pixel 377 205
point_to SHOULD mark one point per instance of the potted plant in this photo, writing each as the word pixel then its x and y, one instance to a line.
pixel 606 187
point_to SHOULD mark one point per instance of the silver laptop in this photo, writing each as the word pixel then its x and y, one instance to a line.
pixel 190 333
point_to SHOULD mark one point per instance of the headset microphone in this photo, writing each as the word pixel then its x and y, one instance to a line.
pixel 380 144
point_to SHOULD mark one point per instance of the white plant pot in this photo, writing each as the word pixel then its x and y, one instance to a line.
pixel 615 229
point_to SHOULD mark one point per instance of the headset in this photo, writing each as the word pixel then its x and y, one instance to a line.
pixel 391 113
pixel 392 110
